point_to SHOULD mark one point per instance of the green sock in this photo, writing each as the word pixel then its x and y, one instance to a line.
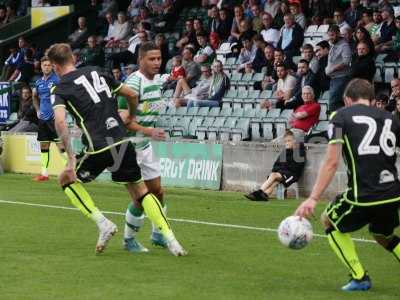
pixel 45 159
pixel 81 199
pixel 154 212
pixel 343 246
pixel 134 219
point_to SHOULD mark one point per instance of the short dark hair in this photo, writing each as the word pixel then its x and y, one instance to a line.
pixel 303 61
pixel 281 65
pixel 369 12
pixel 201 33
pixel 146 47
pixel 288 132
pixel 359 89
pixel 323 44
pixel 44 58
pixel 308 47
pixel 334 28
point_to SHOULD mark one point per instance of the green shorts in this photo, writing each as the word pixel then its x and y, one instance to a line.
pixel 346 217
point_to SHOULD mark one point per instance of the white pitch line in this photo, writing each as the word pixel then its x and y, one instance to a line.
pixel 174 219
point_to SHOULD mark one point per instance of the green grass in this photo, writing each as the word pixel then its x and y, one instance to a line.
pixel 48 253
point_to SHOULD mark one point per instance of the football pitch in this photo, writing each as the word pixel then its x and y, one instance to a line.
pixel 47 250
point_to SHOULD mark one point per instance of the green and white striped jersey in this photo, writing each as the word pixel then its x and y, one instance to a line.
pixel 150 101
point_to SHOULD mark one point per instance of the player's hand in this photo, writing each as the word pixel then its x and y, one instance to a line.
pixel 68 175
pixel 306 208
pixel 157 134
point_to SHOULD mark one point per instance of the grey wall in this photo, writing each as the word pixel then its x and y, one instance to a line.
pixel 247 165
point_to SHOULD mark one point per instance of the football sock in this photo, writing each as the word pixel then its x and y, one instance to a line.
pixel 154 212
pixel 394 247
pixel 343 246
pixel 134 219
pixel 81 199
pixel 45 159
pixel 154 227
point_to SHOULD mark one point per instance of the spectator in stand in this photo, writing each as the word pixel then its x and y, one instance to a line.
pixel 198 27
pixel 130 55
pixel 215 42
pixel 93 54
pixel 28 120
pixel 11 14
pixel 247 53
pixel 122 29
pixel 23 45
pixel 163 46
pixel 305 77
pixel 354 13
pixel 260 59
pixel 219 85
pixel 338 17
pixel 279 58
pixel 108 6
pixel 284 88
pixel 235 32
pixel 282 11
pixel 188 36
pixel 386 32
pixel 144 16
pixel 396 112
pixel 299 17
pixel 133 8
pixel 205 54
pixel 394 95
pixel 347 35
pixel 80 35
pixel 12 62
pixel 291 37
pixel 381 101
pixel 321 53
pixel 375 29
pixel 307 53
pixel 271 7
pixel 192 68
pixel 110 28
pixel 25 70
pixel 256 19
pixel 117 74
pixel 270 34
pixel 338 68
pixel 305 116
pixel 129 69
pixel 362 35
pixel 224 29
pixel 3 14
pixel 286 170
pixel 177 72
pixel 213 19
pixel 183 92
pixel 367 20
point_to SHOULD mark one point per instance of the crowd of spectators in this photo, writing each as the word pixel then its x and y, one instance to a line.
pixel 266 36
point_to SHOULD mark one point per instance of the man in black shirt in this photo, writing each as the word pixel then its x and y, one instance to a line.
pixel 287 169
pixel 88 94
pixel 367 137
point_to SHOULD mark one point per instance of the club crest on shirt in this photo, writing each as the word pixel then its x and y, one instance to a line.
pixel 111 123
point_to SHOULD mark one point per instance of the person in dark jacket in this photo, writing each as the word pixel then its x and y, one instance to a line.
pixel 321 52
pixel 287 169
pixel 363 64
pixel 292 36
pixel 28 120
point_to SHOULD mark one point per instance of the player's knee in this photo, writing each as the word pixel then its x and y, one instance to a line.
pixel 325 221
pixel 159 193
pixel 389 243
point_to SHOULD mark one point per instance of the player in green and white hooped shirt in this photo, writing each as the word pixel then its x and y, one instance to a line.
pixel 150 104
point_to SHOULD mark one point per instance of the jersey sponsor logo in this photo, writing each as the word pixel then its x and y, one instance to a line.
pixel 386 177
pixel 111 123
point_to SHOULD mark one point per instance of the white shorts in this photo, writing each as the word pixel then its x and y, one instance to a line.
pixel 148 163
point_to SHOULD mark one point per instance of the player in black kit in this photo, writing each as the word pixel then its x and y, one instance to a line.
pixel 88 94
pixel 368 138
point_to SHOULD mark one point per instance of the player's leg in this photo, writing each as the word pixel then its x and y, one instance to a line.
pixel 339 219
pixel 384 219
pixel 129 172
pixel 266 189
pixel 88 169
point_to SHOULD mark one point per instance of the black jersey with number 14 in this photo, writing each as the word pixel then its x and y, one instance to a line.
pixel 369 137
pixel 88 94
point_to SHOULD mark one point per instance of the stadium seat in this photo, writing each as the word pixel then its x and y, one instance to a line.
pixel 266 94
pixel 254 94
pixel 378 75
pixel 258 77
pixel 273 113
pixel 322 126
pixel 389 74
pixel 202 130
pixel 225 49
pixel 181 128
pixel 214 112
pixel 193 111
pixel 286 113
pixel 249 113
pixel 310 31
pixel 181 111
pixel 163 110
pixel 194 123
pixel 238 112
pixel 212 131
pixel 243 94
pixel 241 130
pixel 296 59
pixel 171 111
pixel 232 93
pixel 237 103
pixel 267 130
pixel 168 93
pixel 225 112
pixel 235 78
pixel 203 111
pixel 226 102
pixel 230 62
pixel 246 79
pixel 322 115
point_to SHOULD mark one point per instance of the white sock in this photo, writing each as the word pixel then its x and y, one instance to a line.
pixel 132 224
pixel 45 172
pixel 99 218
pixel 154 227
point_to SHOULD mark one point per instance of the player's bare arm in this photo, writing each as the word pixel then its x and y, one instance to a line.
pixel 68 175
pixel 325 175
pixel 132 99
pixel 132 125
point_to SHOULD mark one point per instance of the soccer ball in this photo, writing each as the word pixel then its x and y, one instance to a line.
pixel 295 232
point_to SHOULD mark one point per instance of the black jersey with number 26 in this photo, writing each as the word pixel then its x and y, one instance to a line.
pixel 88 94
pixel 369 137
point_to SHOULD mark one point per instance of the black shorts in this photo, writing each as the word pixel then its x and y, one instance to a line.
pixel 47 131
pixel 346 217
pixel 288 178
pixel 123 168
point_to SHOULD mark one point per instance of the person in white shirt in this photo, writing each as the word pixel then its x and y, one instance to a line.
pixel 339 20
pixel 247 53
pixel 269 34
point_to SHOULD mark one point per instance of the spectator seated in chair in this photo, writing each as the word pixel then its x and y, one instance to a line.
pixel 28 121
pixel 177 72
pixel 286 170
